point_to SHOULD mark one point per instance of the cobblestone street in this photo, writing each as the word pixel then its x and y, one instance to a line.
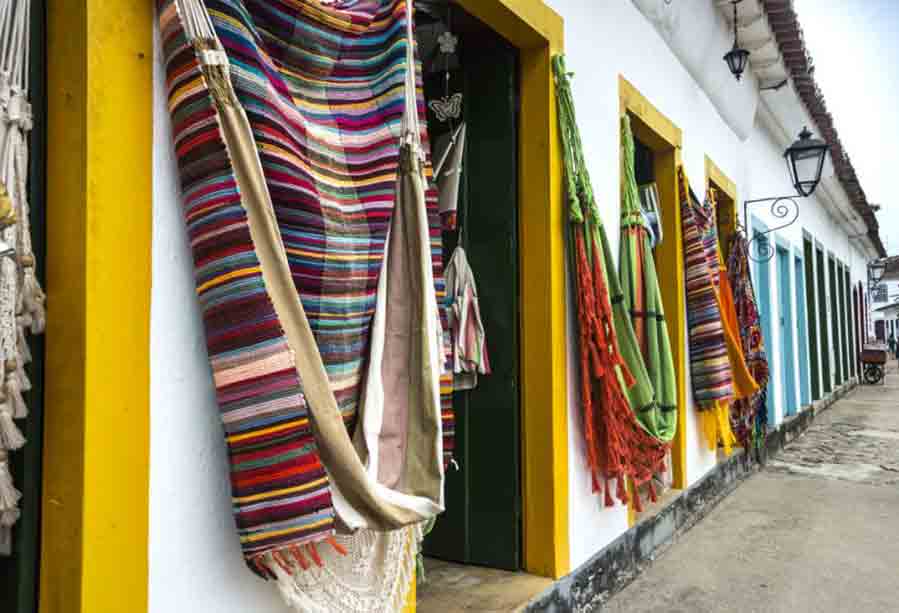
pixel 816 530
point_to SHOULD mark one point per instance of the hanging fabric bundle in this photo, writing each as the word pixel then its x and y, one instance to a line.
pixel 300 140
pixel 748 416
pixel 618 447
pixel 21 297
pixel 642 301
pixel 710 365
pixel 464 318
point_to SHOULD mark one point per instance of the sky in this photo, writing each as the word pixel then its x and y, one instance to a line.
pixel 855 48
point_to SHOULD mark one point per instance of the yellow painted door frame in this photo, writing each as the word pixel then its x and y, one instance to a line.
pixel 537 32
pixel 99 208
pixel 726 211
pixel 97 384
pixel 665 139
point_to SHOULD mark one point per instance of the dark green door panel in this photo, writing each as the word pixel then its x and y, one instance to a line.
pixel 834 319
pixel 482 522
pixel 812 318
pixel 822 322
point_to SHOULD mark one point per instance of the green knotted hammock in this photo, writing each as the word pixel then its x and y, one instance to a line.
pixel 612 375
pixel 642 331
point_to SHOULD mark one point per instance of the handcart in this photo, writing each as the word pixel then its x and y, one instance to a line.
pixel 873 361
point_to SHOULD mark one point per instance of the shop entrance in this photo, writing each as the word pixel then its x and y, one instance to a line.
pixel 482 521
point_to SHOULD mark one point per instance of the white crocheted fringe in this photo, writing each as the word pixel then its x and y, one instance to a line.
pixel 375 576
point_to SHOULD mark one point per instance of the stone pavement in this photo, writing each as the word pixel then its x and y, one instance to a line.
pixel 817 530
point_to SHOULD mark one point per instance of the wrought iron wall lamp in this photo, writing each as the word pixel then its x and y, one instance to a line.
pixel 805 162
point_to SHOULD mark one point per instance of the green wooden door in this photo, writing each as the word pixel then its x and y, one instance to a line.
pixel 834 319
pixel 812 315
pixel 822 323
pixel 19 571
pixel 482 522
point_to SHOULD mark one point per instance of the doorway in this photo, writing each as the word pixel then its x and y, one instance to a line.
pixel 763 285
pixel 802 329
pixel 834 319
pixel 482 521
pixel 787 359
pixel 812 315
pixel 822 322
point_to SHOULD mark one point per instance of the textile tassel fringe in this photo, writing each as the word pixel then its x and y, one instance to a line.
pixel 715 424
pixel 10 436
pixel 14 395
pixel 33 299
pixel 288 570
pixel 9 495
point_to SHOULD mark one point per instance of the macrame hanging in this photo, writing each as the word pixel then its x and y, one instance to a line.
pixel 21 297
pixel 618 447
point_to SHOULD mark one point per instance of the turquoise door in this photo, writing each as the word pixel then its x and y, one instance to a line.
pixel 802 329
pixel 763 294
pixel 787 358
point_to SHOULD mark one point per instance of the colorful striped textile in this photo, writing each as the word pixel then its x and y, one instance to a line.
pixel 287 121
pixel 645 313
pixel 710 364
pixel 617 446
pixel 749 417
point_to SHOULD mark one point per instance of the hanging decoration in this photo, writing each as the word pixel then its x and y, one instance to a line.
pixel 469 339
pixel 449 148
pixel 319 275
pixel 642 300
pixel 618 447
pixel 749 416
pixel 710 367
pixel 21 297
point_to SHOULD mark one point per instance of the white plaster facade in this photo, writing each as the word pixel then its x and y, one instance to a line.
pixel 193 551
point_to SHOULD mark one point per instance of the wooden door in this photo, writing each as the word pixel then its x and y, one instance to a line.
pixel 822 323
pixel 802 330
pixel 787 360
pixel 482 521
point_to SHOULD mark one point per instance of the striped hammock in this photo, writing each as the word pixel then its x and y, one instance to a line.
pixel 299 133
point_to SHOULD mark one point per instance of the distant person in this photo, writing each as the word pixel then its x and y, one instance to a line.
pixel 892 344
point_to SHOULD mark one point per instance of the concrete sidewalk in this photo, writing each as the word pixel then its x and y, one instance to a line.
pixel 817 530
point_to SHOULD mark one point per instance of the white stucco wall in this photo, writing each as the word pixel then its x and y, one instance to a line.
pixel 195 563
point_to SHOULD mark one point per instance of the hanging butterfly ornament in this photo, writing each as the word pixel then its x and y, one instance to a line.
pixel 449 107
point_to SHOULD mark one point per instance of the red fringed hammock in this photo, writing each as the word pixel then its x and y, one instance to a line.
pixel 618 447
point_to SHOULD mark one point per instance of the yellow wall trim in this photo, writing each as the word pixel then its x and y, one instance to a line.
pixel 665 139
pixel 99 207
pixel 538 33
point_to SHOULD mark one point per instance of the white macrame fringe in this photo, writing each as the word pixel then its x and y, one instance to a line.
pixel 11 437
pixel 22 300
pixel 9 495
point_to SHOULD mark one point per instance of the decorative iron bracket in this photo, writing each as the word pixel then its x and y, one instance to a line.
pixel 782 207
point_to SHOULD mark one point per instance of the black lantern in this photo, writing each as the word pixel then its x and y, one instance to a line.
pixel 736 58
pixel 876 269
pixel 805 161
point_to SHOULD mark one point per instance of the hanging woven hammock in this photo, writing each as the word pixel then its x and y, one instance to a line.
pixel 749 416
pixel 710 366
pixel 618 447
pixel 299 133
pixel 642 301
